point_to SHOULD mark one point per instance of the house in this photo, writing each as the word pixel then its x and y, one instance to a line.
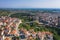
pixel 45 36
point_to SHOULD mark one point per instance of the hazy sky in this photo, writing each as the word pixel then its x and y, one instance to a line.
pixel 29 3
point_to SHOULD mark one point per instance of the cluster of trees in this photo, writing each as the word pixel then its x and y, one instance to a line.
pixel 37 27
pixel 4 13
pixel 55 31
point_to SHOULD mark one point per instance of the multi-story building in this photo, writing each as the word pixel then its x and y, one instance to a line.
pixel 58 21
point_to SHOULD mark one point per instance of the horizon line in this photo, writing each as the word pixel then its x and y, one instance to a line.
pixel 30 8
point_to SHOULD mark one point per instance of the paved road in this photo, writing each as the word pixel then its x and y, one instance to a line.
pixel 29 22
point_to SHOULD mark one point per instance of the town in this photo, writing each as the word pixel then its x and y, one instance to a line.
pixel 29 19
pixel 29 24
pixel 9 31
